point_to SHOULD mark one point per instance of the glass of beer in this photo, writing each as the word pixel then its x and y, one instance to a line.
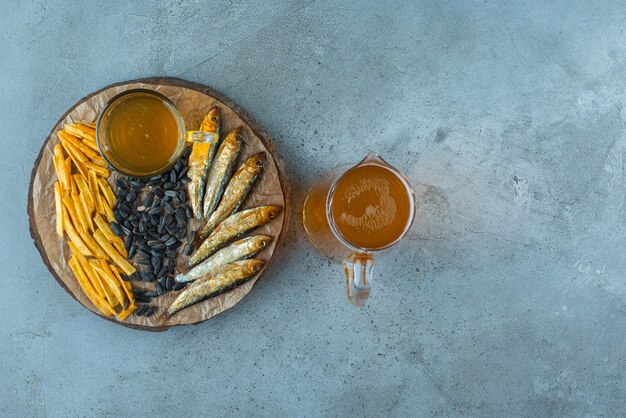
pixel 351 213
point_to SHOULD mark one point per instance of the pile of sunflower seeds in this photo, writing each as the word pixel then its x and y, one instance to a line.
pixel 152 214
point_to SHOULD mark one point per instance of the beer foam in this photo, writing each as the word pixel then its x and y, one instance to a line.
pixel 381 210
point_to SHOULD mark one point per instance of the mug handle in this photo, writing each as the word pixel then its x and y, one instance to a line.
pixel 359 267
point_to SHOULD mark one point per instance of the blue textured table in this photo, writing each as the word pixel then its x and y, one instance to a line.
pixel 507 298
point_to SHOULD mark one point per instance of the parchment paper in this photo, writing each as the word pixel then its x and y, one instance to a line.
pixel 192 105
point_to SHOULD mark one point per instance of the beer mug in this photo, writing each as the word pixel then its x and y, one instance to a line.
pixel 352 213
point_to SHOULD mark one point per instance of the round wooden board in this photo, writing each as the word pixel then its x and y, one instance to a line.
pixel 193 101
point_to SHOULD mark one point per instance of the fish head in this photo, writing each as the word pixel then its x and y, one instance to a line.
pixel 270 212
pixel 253 266
pixel 212 121
pixel 236 134
pixel 257 160
pixel 260 241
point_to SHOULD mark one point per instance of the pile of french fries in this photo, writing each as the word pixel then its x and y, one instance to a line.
pixel 83 200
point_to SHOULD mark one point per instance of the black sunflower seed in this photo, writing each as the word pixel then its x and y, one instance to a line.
pixel 131 196
pixel 171 193
pixel 170 241
pixel 173 174
pixel 156 253
pixel 191 235
pixel 156 262
pixel 136 184
pixel 163 282
pixel 138 292
pixel 169 185
pixel 189 249
pixel 144 262
pixel 116 228
pixel 141 310
pixel 143 253
pixel 174 246
pixel 118 216
pixel 132 251
pixel 146 276
pixel 184 180
pixel 149 312
pixel 169 283
pixel 178 286
pixel 126 230
pixel 159 193
pixel 188 212
pixel 162 271
pixel 170 253
pixel 155 211
pixel 160 290
pixel 125 277
pixel 151 294
pixel 148 200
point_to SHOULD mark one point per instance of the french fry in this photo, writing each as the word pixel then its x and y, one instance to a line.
pixel 68 174
pixel 79 165
pixel 78 144
pixel 85 192
pixel 87 125
pixel 73 129
pixel 91 275
pixel 58 205
pixel 99 161
pixel 106 191
pixel 86 130
pixel 108 212
pixel 73 235
pixel 88 289
pixel 126 312
pixel 59 166
pixel 125 285
pixel 113 283
pixel 93 145
pixel 76 220
pixel 108 291
pixel 93 188
pixel 117 258
pixel 101 171
pixel 109 234
pixel 93 245
pixel 70 147
pixel 85 218
pixel 85 208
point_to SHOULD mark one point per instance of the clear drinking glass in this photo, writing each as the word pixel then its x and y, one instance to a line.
pixel 322 228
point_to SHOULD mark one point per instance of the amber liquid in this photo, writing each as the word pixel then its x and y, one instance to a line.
pixel 142 134
pixel 371 207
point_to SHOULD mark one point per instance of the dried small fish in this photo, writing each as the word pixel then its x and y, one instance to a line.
pixel 216 284
pixel 238 188
pixel 221 170
pixel 200 161
pixel 234 226
pixel 244 248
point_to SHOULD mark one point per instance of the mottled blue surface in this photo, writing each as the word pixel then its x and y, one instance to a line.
pixel 507 299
